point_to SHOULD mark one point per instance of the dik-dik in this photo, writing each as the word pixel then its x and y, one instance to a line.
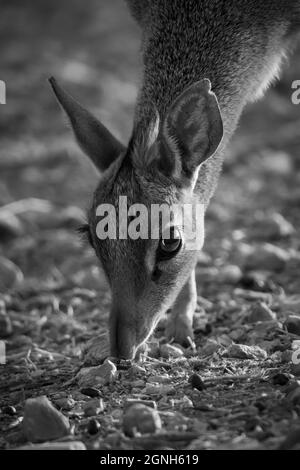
pixel 203 61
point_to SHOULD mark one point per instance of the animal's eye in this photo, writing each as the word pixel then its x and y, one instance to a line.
pixel 170 244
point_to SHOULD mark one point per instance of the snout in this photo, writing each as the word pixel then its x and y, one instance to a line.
pixel 123 335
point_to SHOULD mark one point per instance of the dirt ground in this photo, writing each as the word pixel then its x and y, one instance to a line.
pixel 237 387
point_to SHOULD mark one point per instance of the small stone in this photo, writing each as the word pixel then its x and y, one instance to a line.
pixel 91 392
pixel 280 379
pixel 9 410
pixel 260 312
pixel 66 404
pixel 10 274
pixel 168 351
pixel 141 419
pixel 93 407
pixel 211 346
pixel 10 226
pixel 158 389
pixel 196 382
pixel 242 351
pixel 93 427
pixel 97 350
pixel 292 324
pixel 267 257
pixel 230 274
pixel 42 422
pixel 6 328
pixel 186 402
pixel 69 445
pixel 97 376
pixel 132 401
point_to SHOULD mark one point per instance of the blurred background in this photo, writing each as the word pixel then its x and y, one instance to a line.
pixel 92 47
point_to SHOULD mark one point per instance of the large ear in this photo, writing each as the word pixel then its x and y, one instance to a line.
pixel 94 139
pixel 191 132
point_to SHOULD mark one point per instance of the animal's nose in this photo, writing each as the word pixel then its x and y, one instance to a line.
pixel 122 335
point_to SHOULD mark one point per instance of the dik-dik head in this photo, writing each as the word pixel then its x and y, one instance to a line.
pixel 160 166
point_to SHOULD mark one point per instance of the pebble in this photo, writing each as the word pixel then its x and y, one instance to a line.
pixel 230 274
pixel 242 351
pixel 66 404
pixel 158 389
pixel 260 312
pixel 10 274
pixel 10 226
pixel 141 419
pixel 211 346
pixel 168 351
pixel 97 350
pixel 42 422
pixel 97 376
pixel 93 427
pixel 267 257
pixel 93 407
pixel 131 401
pixel 292 324
pixel 9 410
pixel 196 382
pixel 69 445
pixel 91 392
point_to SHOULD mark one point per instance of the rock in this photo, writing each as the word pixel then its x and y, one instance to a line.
pixel 242 351
pixel 267 257
pixel 168 351
pixel 230 274
pixel 211 346
pixel 292 324
pixel 6 328
pixel 93 407
pixel 260 312
pixel 280 379
pixel 132 401
pixel 97 350
pixel 272 227
pixel 10 274
pixel 93 427
pixel 97 376
pixel 42 422
pixel 196 382
pixel 158 389
pixel 91 392
pixel 10 226
pixel 66 404
pixel 141 419
pixel 9 410
pixel 69 445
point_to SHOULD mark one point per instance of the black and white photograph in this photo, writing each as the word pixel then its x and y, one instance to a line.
pixel 149 228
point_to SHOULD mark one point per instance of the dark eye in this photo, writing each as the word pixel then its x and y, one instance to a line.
pixel 170 244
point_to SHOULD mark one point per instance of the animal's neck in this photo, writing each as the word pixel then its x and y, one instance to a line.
pixel 187 41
